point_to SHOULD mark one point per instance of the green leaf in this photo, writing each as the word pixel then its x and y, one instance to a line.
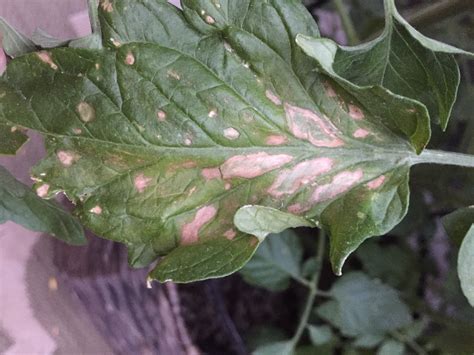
pixel 466 265
pixel 43 39
pixel 187 116
pixel 277 260
pixel 280 348
pixel 11 140
pixel 14 43
pixel 458 223
pixel 363 306
pixel 402 270
pixel 401 61
pixel 222 257
pixel 21 205
pixel 391 347
pixel 320 335
pixel 261 221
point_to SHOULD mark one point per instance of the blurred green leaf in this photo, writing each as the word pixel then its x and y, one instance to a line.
pixel 368 340
pixel 391 347
pixel 275 262
pixel 258 337
pixel 364 306
pixel 280 348
pixel 14 44
pixel 466 265
pixel 458 223
pixel 11 140
pixel 320 335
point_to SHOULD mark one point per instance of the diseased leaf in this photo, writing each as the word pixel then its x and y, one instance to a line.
pixel 187 116
pixel 276 261
pixel 458 223
pixel 363 306
pixel 14 43
pixel 11 140
pixel 401 60
pixel 261 221
pixel 466 265
pixel 21 205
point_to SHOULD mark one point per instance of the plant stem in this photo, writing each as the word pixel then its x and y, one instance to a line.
pixel 313 290
pixel 93 6
pixel 411 343
pixel 444 158
pixel 347 23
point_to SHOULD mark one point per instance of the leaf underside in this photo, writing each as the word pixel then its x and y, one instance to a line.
pixel 21 205
pixel 187 116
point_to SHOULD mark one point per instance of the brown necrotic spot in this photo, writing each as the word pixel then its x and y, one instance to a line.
pixel 43 190
pixel 276 140
pixel 86 112
pixel 141 182
pixel 161 116
pixel 253 165
pixel 190 231
pixel 67 158
pixel 291 180
pixel 361 133
pixel 306 124
pixel 129 58
pixel 273 97
pixel 106 5
pixel 230 234
pixel 96 210
pixel 231 134
pixel 376 183
pixel 45 57
pixel 211 174
pixel 355 112
pixel 340 184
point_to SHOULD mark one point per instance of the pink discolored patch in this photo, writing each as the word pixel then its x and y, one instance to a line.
pixel 212 113
pixel 306 124
pixel 141 182
pixel 190 231
pixel 376 183
pixel 96 210
pixel 355 112
pixel 211 174
pixel 329 90
pixel 67 158
pixel 130 59
pixel 276 140
pixel 106 5
pixel 43 190
pixel 253 165
pixel 341 183
pixel 161 116
pixel 231 134
pixel 361 133
pixel 173 74
pixel 210 20
pixel 45 57
pixel 273 97
pixel 297 208
pixel 291 180
pixel 253 241
pixel 227 186
pixel 230 234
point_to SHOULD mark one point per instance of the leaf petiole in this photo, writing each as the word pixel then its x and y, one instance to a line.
pixel 443 158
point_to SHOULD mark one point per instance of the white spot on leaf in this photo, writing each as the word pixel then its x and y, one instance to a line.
pixel 231 134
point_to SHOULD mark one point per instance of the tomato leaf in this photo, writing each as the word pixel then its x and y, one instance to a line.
pixel 401 61
pixel 185 117
pixel 11 140
pixel 18 203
